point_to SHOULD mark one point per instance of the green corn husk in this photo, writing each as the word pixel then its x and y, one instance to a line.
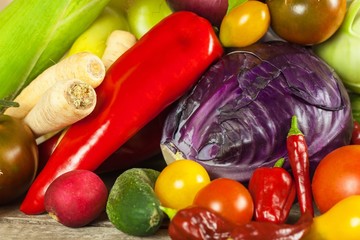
pixel 36 34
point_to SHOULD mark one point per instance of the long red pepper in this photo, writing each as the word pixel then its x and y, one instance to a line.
pixel 299 161
pixel 155 72
pixel 197 223
pixel 126 156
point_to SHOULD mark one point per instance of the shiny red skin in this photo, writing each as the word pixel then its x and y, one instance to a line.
pixel 355 137
pixel 76 198
pixel 273 192
pixel 336 177
pixel 300 166
pixel 126 156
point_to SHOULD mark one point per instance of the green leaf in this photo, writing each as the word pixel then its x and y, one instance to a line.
pixel 36 34
pixel 6 104
pixel 234 3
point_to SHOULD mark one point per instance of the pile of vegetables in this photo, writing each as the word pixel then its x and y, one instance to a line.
pixel 240 100
pixel 248 98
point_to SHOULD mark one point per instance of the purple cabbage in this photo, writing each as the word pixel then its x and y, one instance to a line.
pixel 237 117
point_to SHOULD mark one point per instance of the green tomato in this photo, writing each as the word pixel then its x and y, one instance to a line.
pixel 144 14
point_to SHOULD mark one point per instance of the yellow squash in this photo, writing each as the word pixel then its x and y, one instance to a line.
pixel 342 221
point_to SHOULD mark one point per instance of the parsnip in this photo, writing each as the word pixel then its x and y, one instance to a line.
pixel 35 34
pixel 83 66
pixel 118 42
pixel 63 104
pixel 4 3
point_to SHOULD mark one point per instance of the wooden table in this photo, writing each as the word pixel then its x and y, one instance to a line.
pixel 15 225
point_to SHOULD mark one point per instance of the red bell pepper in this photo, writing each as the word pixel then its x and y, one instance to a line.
pixel 164 64
pixel 273 192
pixel 299 161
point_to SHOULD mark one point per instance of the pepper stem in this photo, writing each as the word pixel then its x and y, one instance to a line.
pixel 280 162
pixel 170 212
pixel 294 130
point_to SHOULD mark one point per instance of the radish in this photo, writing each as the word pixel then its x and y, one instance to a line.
pixel 76 198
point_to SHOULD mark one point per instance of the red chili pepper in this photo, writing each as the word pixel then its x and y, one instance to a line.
pixel 164 64
pixel 273 192
pixel 272 231
pixel 299 161
pixel 355 138
pixel 197 223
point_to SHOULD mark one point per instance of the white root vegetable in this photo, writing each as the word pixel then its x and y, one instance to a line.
pixel 61 105
pixel 118 42
pixel 4 3
pixel 84 66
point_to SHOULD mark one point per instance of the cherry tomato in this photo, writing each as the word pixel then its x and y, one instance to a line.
pixel 229 198
pixel 245 24
pixel 306 22
pixel 179 182
pixel 336 177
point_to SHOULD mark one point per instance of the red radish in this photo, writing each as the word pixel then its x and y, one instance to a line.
pixel 76 198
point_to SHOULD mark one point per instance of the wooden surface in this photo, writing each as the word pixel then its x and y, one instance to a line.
pixel 16 225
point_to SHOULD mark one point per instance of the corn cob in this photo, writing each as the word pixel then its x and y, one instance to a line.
pixel 36 34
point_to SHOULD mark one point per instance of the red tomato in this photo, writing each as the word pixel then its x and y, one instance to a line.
pixel 229 198
pixel 336 177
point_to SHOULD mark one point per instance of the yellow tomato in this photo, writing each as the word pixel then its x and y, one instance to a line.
pixel 245 24
pixel 179 182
